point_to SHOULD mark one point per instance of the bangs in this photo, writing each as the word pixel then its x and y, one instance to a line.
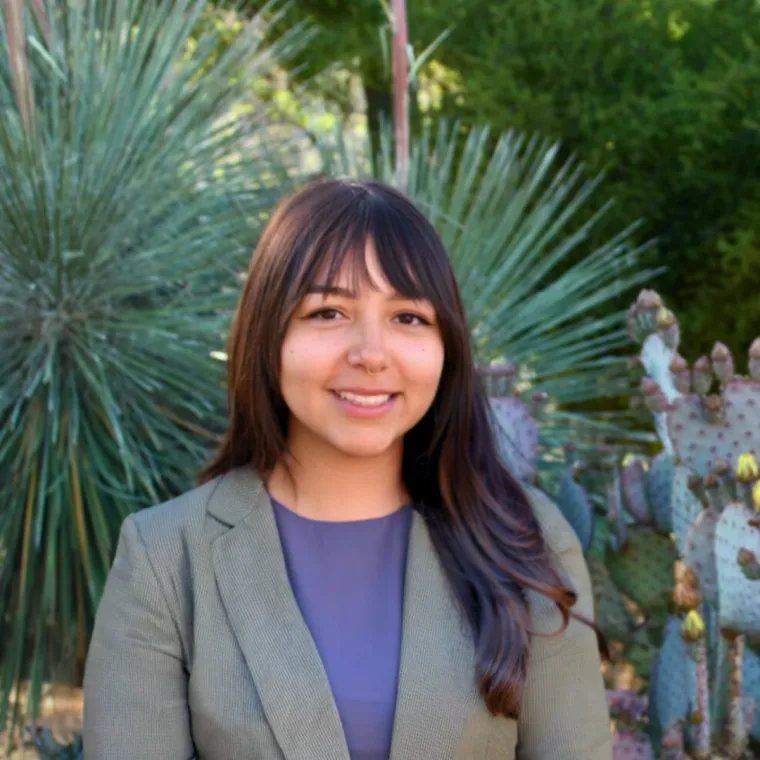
pixel 409 252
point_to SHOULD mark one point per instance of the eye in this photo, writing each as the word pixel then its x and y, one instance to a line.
pixel 407 318
pixel 324 315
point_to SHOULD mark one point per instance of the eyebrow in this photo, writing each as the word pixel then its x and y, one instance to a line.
pixel 335 290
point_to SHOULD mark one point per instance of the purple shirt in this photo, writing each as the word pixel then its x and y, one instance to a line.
pixel 348 580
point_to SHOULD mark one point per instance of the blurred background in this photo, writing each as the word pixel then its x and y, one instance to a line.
pixel 594 170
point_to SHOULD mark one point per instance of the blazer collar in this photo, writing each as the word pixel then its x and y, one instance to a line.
pixel 436 689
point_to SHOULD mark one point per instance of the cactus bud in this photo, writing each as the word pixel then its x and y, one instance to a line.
pixel 679 369
pixel 702 376
pixel 747 561
pixel 694 482
pixel 649 387
pixel 754 359
pixel 642 316
pixel 657 403
pixel 756 495
pixel 713 409
pixel 649 300
pixel 687 594
pixel 723 363
pixel 746 469
pixel 654 399
pixel 665 318
pixel 693 628
pixel 710 481
pixel 721 467
pixel 667 324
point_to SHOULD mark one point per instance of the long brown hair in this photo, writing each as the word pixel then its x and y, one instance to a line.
pixel 479 518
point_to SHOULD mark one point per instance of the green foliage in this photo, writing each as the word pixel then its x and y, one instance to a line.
pixel 660 95
pixel 129 201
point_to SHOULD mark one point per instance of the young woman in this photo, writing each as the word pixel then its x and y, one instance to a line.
pixel 357 577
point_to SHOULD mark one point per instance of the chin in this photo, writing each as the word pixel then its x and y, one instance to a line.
pixel 364 448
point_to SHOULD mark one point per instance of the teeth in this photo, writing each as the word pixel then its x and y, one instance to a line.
pixel 365 400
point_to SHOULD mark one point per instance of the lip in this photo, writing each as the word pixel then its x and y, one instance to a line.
pixel 366 412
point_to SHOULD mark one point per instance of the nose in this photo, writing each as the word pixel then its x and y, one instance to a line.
pixel 369 351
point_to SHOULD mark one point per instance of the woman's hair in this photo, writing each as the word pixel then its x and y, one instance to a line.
pixel 480 520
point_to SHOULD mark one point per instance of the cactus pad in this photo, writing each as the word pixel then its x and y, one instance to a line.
pixel 676 677
pixel 686 507
pixel 609 606
pixel 739 597
pixel 659 488
pixel 643 568
pixel 700 443
pixel 517 436
pixel 632 745
pixel 574 504
pixel 700 553
pixel 633 481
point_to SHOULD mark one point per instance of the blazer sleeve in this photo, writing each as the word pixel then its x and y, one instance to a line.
pixel 135 682
pixel 564 711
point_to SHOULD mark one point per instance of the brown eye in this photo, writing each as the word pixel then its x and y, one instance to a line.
pixel 324 314
pixel 408 318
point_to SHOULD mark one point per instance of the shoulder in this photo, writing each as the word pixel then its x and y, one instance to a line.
pixel 167 523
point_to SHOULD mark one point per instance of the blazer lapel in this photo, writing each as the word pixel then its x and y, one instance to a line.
pixel 278 648
pixel 437 688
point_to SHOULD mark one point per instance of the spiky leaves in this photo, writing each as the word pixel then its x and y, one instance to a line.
pixel 128 201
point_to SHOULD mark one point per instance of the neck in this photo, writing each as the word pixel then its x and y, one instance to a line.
pixel 322 483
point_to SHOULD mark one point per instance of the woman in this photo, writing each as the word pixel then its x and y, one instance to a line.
pixel 357 576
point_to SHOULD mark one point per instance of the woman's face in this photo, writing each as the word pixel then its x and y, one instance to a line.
pixel 359 369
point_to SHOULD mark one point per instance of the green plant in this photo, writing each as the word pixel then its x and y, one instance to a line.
pixel 708 419
pixel 680 539
pixel 510 218
pixel 131 191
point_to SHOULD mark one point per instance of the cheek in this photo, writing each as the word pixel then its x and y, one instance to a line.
pixel 426 365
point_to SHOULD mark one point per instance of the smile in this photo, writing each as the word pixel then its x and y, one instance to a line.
pixel 362 400
pixel 364 405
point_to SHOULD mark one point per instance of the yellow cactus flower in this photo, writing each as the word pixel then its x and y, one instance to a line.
pixel 747 470
pixel 756 495
pixel 693 628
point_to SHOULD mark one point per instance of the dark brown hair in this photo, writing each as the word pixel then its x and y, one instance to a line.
pixel 480 520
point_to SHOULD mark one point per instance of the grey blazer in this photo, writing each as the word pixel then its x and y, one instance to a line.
pixel 200 651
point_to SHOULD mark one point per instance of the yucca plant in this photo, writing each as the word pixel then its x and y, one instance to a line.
pixel 130 193
pixel 511 218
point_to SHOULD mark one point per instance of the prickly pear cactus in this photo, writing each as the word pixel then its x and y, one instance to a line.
pixel 706 685
pixel 513 421
pixel 672 543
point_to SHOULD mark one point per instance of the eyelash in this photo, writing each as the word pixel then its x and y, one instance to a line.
pixel 316 314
